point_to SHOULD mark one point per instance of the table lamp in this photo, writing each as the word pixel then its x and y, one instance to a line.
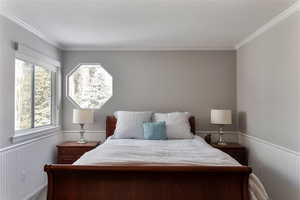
pixel 82 117
pixel 221 118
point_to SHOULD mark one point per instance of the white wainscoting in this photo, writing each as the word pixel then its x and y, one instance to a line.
pixel 276 166
pixel 21 167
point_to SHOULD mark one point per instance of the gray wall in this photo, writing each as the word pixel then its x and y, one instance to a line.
pixel 268 84
pixel 10 32
pixel 164 81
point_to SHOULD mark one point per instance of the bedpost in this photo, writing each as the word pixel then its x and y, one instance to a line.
pixel 192 124
pixel 111 122
pixel 50 188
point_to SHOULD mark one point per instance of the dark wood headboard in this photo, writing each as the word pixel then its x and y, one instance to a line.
pixel 111 122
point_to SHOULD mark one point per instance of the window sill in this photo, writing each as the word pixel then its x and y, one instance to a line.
pixel 33 133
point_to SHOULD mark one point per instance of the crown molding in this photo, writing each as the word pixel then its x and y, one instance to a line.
pixel 184 48
pixel 44 37
pixel 29 28
pixel 283 15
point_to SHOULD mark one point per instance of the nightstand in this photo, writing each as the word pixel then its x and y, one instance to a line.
pixel 69 152
pixel 235 150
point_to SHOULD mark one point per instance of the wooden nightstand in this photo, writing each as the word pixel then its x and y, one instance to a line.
pixel 69 152
pixel 235 150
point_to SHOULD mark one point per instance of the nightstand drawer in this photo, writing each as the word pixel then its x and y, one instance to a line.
pixel 69 152
pixel 238 155
pixel 73 151
pixel 236 151
pixel 67 160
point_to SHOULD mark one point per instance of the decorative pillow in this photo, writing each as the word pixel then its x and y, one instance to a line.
pixel 155 131
pixel 177 124
pixel 130 124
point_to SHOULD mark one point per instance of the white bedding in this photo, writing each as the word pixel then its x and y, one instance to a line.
pixel 184 151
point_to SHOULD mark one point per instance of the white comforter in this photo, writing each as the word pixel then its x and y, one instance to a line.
pixel 185 151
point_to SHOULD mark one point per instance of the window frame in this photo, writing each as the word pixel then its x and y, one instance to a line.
pixel 53 66
pixel 67 84
pixel 33 94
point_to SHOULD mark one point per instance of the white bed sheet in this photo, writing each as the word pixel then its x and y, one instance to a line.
pixel 182 151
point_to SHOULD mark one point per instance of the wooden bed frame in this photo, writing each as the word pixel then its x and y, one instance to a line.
pixel 147 182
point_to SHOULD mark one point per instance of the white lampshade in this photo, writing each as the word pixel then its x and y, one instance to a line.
pixel 220 116
pixel 83 116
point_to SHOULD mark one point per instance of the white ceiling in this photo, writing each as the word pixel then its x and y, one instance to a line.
pixel 145 24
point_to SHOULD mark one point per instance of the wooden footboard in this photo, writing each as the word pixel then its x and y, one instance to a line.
pixel 69 182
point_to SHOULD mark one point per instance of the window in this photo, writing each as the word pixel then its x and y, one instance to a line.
pixel 89 86
pixel 34 95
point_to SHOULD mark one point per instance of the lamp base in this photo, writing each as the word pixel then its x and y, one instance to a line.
pixel 81 141
pixel 221 141
pixel 82 131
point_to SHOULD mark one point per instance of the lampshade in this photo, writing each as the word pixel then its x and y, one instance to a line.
pixel 83 116
pixel 220 116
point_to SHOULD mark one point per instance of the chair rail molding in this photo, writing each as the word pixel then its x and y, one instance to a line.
pixel 197 131
pixel 73 135
pixel 269 143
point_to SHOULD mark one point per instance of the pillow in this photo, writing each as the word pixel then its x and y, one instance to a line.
pixel 155 131
pixel 130 124
pixel 177 124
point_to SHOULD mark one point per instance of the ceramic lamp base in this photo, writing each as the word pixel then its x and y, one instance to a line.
pixel 82 139
pixel 221 141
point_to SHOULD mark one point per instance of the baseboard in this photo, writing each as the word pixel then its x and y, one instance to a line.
pixel 278 167
pixel 35 194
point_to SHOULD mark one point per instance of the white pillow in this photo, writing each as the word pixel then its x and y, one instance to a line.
pixel 130 124
pixel 177 124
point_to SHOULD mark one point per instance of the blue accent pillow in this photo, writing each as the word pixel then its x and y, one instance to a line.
pixel 155 130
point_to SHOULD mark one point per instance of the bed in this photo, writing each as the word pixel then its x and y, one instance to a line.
pixel 163 170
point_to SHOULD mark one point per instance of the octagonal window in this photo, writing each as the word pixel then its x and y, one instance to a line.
pixel 89 86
